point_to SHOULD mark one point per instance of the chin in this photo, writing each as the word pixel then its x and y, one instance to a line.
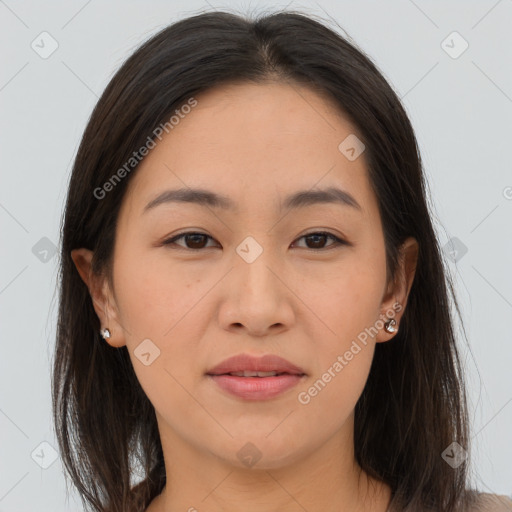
pixel 261 453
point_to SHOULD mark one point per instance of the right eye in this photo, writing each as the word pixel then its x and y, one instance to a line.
pixel 193 240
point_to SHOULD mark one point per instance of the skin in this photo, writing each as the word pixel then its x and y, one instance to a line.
pixel 305 302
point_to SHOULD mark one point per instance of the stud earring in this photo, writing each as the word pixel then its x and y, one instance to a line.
pixel 105 333
pixel 390 326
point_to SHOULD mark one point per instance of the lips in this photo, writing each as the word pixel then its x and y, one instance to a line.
pixel 246 366
pixel 256 378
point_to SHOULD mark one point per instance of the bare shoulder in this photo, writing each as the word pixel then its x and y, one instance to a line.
pixel 487 502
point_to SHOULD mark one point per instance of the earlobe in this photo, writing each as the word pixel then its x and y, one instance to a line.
pixel 397 293
pixel 100 296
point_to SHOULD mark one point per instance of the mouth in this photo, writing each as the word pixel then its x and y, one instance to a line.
pixel 256 378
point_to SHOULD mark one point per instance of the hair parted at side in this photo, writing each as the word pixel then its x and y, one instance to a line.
pixel 414 403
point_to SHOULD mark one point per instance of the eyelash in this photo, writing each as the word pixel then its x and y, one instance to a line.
pixel 338 241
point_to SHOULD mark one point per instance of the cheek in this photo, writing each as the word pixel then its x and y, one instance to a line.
pixel 344 350
pixel 347 298
pixel 151 295
pixel 160 302
pixel 154 303
pixel 349 310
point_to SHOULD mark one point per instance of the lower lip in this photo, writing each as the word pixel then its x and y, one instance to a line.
pixel 256 388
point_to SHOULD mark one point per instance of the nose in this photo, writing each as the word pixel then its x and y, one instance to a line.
pixel 257 298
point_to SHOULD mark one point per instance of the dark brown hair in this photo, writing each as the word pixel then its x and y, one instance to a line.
pixel 413 406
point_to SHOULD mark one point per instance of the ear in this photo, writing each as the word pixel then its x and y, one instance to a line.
pixel 397 291
pixel 102 296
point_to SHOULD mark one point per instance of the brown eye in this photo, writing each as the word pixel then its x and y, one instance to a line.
pixel 193 240
pixel 317 240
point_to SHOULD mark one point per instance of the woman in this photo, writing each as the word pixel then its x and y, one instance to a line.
pixel 254 313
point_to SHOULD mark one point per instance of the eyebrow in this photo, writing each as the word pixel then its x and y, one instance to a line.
pixel 296 200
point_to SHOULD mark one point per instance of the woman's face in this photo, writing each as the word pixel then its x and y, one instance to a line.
pixel 255 280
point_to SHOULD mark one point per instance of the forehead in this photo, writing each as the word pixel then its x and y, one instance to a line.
pixel 251 141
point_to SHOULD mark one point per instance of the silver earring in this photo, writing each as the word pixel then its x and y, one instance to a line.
pixel 105 333
pixel 390 326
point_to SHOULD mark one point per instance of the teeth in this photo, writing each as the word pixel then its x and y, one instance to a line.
pixel 247 373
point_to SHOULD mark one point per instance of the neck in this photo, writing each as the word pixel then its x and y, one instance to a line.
pixel 327 479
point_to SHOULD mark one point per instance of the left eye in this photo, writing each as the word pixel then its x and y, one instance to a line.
pixel 198 240
pixel 319 238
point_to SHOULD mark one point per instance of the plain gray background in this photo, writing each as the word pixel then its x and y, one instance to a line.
pixel 460 103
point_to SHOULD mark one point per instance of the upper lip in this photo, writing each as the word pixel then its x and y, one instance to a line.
pixel 266 363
